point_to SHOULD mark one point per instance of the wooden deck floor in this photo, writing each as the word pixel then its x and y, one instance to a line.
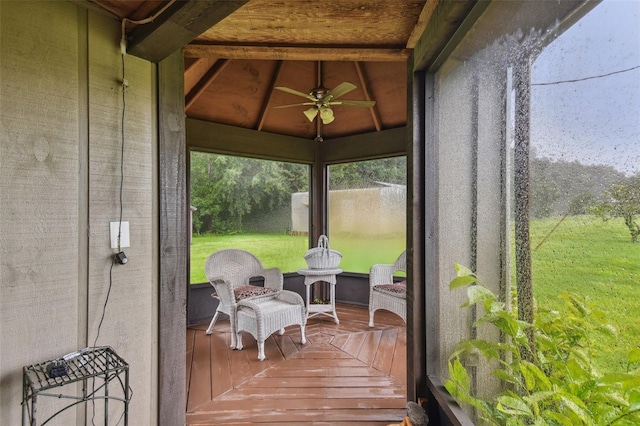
pixel 346 374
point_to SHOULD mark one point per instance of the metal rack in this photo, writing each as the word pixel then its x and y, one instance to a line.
pixel 101 364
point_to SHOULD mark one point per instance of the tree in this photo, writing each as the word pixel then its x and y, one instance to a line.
pixel 367 174
pixel 623 200
pixel 581 204
pixel 558 187
pixel 228 190
pixel 544 193
pixel 225 189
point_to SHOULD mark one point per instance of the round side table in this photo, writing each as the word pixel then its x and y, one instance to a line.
pixel 325 275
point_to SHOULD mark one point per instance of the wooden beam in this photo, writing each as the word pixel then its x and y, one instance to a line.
pixel 101 10
pixel 451 20
pixel 364 83
pixel 444 23
pixel 266 105
pixel 417 259
pixel 196 71
pixel 205 82
pixel 181 23
pixel 367 146
pixel 421 25
pixel 298 53
pixel 231 140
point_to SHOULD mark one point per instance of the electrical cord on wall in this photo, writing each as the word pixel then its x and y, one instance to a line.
pixel 119 257
pixel 115 258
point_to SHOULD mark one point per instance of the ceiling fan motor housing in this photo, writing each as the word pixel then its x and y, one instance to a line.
pixel 319 93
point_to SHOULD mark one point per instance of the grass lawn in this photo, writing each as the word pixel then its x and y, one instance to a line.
pixel 584 255
pixel 289 257
pixel 596 260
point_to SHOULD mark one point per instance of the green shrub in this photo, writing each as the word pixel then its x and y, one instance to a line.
pixel 560 386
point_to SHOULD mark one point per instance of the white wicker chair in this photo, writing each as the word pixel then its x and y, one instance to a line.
pixel 262 316
pixel 384 293
pixel 229 271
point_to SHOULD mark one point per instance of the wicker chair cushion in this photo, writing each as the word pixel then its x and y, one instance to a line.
pixel 397 289
pixel 247 291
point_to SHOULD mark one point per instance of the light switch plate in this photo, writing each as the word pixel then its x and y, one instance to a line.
pixel 124 234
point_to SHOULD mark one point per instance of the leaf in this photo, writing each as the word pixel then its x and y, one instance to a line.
pixel 529 377
pixel 478 293
pixel 609 397
pixel 459 374
pixel 574 404
pixel 634 400
pixel 539 421
pixel 536 375
pixel 560 418
pixel 515 406
pixel 586 388
pixel 462 270
pixel 537 397
pixel 459 385
pixel 514 421
pixel 578 366
pixel 462 281
pixel 605 414
pixel 506 323
pixel 628 381
pixel 506 376
pixel 634 355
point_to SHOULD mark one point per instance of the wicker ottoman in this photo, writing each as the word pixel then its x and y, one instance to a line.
pixel 262 316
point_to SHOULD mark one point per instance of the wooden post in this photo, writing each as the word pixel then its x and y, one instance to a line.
pixel 174 244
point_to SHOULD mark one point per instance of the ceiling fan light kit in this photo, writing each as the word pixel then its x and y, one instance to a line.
pixel 326 114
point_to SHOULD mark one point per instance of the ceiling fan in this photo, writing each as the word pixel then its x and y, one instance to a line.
pixel 322 99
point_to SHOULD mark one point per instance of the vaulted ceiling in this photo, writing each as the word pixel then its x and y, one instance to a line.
pixel 238 51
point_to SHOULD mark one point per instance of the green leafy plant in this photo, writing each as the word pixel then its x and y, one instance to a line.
pixel 560 386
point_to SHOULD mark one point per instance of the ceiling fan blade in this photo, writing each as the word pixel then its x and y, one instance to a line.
pixel 295 92
pixel 311 113
pixel 293 105
pixel 341 89
pixel 365 104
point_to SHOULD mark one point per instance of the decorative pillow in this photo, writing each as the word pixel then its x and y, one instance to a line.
pixel 397 289
pixel 248 291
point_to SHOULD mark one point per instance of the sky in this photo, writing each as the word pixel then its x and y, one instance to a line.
pixel 595 120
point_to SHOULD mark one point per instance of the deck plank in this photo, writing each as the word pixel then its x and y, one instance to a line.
pixel 321 371
pixel 370 346
pixel 384 357
pixel 346 374
pixel 353 344
pixel 191 335
pixel 220 364
pixel 399 364
pixel 200 383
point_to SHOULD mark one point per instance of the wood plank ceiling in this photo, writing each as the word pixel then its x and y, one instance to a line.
pixel 238 51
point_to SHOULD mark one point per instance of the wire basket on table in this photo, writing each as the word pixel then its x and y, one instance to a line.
pixel 322 257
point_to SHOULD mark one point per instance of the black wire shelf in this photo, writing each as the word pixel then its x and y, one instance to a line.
pixel 44 378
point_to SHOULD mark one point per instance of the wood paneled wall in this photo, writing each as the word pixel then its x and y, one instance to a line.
pixel 60 167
